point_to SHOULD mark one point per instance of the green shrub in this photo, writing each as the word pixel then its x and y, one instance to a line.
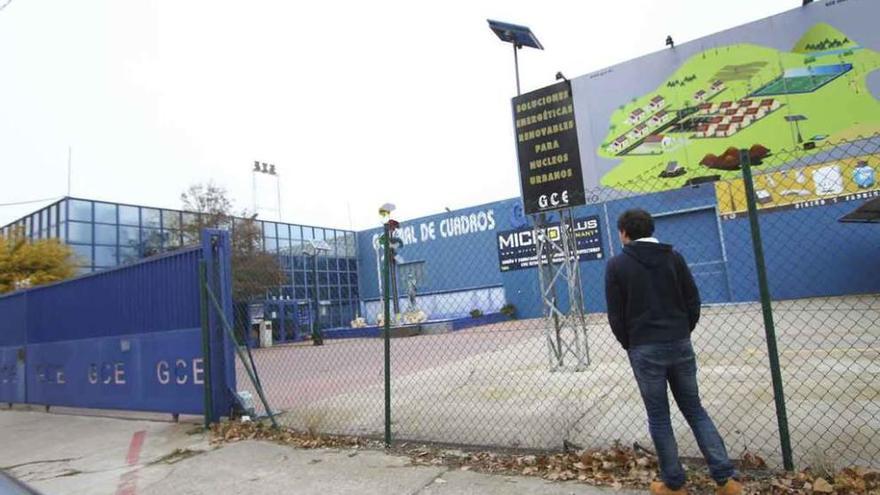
pixel 508 310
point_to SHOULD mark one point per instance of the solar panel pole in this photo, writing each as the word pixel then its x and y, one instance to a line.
pixel 516 47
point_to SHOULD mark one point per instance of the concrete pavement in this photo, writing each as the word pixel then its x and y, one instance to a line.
pixel 70 454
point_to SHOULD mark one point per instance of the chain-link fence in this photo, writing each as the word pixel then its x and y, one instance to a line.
pixel 474 359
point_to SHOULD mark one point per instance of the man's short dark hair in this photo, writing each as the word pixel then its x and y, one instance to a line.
pixel 636 223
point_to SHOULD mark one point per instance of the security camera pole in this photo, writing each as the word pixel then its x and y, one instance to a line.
pixel 389 226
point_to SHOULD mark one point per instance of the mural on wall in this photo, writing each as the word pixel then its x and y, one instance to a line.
pixel 794 82
pixel 827 183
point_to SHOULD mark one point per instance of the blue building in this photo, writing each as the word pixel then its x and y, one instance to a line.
pixel 455 262
pixel 458 258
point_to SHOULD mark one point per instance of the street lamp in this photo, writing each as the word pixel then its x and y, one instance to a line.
pixel 313 249
pixel 518 36
pixel 796 119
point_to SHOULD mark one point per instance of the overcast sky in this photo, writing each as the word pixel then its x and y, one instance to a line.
pixel 357 103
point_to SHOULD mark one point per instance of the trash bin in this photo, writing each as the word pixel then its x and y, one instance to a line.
pixel 265 333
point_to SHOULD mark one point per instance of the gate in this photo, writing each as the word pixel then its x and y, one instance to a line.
pixel 138 337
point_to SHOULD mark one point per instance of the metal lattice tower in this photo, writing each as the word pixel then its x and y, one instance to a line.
pixel 566 328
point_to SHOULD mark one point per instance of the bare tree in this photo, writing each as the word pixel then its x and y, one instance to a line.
pixel 254 271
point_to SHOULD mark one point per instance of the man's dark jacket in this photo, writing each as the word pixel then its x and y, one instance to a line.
pixel 651 295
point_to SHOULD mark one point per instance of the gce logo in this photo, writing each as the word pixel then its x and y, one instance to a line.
pixel 553 199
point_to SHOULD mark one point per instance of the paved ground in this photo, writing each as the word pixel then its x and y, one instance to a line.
pixel 66 454
pixel 491 385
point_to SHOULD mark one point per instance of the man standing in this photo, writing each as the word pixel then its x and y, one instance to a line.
pixel 653 306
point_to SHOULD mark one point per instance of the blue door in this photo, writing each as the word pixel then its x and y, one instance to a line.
pixel 696 235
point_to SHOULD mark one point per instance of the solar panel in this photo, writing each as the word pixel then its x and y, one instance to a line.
pixel 512 33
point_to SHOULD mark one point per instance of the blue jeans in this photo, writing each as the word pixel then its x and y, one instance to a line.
pixel 655 365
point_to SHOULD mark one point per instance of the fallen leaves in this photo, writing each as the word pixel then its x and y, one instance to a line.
pixel 236 431
pixel 618 466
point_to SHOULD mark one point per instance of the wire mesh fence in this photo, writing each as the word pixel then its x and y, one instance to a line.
pixel 475 351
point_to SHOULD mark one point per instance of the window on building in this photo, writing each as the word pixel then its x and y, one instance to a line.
pixel 83 255
pixel 128 254
pixel 151 242
pixel 105 256
pixel 79 232
pixel 190 220
pixel 171 219
pixel 151 217
pixel 105 212
pixel 284 245
pixel 409 274
pixel 172 239
pixel 53 217
pixel 128 236
pixel 105 234
pixel 271 244
pixel 79 210
pixel 269 229
pixel 129 215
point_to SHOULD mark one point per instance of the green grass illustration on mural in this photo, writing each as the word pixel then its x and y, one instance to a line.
pixel 739 96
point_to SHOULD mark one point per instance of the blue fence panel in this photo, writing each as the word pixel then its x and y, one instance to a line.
pixel 156 295
pixel 127 338
pixel 12 375
pixel 13 319
pixel 161 372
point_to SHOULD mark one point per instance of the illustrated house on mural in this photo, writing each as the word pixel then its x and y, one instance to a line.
pixel 770 104
pixel 660 118
pixel 656 142
pixel 636 116
pixel 726 130
pixel 705 108
pixel 717 87
pixel 640 130
pixel 704 130
pixel 701 95
pixel 619 144
pixel 657 103
pixel 740 121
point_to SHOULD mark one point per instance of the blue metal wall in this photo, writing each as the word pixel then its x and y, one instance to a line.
pixel 447 268
pixel 808 252
pixel 127 338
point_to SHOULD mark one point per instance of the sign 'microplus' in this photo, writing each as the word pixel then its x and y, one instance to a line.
pixel 517 249
pixel 547 148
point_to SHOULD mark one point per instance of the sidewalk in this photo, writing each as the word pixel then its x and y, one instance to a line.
pixel 68 454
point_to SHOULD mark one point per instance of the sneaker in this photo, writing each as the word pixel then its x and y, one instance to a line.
pixel 730 487
pixel 660 488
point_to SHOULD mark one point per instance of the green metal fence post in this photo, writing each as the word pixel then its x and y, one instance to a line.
pixel 767 310
pixel 206 343
pixel 386 297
